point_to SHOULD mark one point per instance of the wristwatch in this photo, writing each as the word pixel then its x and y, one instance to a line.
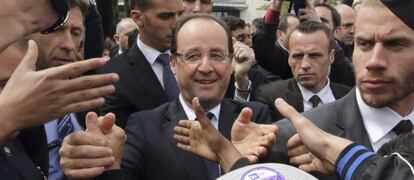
pixel 62 8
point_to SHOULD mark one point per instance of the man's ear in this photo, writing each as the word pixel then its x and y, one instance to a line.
pixel 173 62
pixel 332 56
pixel 337 30
pixel 280 35
pixel 137 16
pixel 116 38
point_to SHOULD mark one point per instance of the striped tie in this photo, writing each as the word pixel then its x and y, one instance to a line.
pixel 65 127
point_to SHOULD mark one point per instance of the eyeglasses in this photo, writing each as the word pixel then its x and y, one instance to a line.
pixel 196 58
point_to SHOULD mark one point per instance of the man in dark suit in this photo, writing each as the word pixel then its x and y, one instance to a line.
pixel 202 51
pixel 143 84
pixel 141 69
pixel 344 33
pixel 311 55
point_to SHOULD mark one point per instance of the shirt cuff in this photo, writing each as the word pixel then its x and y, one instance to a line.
pixel 242 95
pixel 271 17
pixel 350 159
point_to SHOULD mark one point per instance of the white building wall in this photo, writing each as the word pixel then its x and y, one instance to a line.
pixel 253 11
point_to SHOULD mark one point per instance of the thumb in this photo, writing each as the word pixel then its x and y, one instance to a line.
pixel 245 116
pixel 106 123
pixel 300 123
pixel 200 114
pixel 233 40
pixel 92 125
pixel 30 59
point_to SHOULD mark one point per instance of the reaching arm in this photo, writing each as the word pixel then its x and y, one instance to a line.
pixel 34 97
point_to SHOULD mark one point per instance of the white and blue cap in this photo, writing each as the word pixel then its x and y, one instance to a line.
pixel 268 171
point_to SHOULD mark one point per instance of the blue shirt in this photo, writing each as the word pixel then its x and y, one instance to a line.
pixel 55 172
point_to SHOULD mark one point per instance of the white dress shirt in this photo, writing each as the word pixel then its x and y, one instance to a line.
pixel 151 55
pixel 379 122
pixel 325 94
pixel 191 115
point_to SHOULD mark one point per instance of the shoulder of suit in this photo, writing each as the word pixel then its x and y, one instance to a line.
pixel 250 104
pixel 340 86
pixel 272 86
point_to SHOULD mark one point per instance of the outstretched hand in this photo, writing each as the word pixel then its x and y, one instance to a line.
pixel 200 136
pixel 86 154
pixel 33 97
pixel 312 149
pixel 252 139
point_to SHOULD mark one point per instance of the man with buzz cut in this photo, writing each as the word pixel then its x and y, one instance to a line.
pixel 311 54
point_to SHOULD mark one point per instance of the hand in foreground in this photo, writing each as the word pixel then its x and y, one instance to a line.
pixel 252 139
pixel 86 154
pixel 34 97
pixel 202 138
pixel 312 149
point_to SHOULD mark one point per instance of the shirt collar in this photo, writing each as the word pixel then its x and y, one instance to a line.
pixel 150 53
pixel 322 94
pixel 190 112
pixel 379 121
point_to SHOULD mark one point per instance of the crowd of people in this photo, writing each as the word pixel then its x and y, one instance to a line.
pixel 176 93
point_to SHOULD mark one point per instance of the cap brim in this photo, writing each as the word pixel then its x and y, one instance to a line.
pixel 268 171
pixel 402 9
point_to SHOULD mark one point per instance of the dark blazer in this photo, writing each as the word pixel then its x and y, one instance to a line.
pixel 342 71
pixel 340 118
pixel 269 54
pixel 151 152
pixel 16 165
pixel 289 91
pixel 34 142
pixel 138 88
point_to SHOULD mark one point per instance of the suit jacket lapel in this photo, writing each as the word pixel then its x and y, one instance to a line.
pixel 294 96
pixel 143 73
pixel 192 164
pixel 350 120
pixel 228 113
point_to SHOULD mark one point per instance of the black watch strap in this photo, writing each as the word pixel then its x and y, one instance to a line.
pixel 62 8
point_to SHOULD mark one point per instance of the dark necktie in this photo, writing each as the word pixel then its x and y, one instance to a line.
pixel 65 127
pixel 212 167
pixel 170 84
pixel 404 126
pixel 315 100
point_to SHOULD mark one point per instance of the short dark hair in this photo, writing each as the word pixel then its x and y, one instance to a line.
pixel 257 21
pixel 233 22
pixel 403 144
pixel 283 22
pixel 336 18
pixel 140 4
pixel 83 5
pixel 308 27
pixel 187 18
